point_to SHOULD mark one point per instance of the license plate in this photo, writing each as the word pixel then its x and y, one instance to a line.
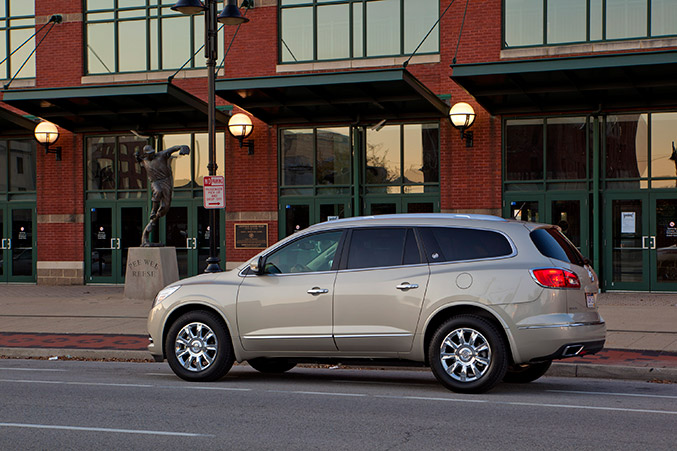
pixel 590 299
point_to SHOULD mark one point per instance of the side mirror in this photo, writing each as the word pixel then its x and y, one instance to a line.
pixel 257 266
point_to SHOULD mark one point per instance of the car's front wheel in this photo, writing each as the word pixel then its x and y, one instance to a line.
pixel 468 355
pixel 271 365
pixel 523 374
pixel 198 347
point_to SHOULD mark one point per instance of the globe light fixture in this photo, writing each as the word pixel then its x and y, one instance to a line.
pixel 240 126
pixel 462 116
pixel 47 133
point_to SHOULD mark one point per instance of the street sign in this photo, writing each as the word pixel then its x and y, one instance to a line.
pixel 214 191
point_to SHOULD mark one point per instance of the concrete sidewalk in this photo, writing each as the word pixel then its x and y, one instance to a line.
pixel 99 322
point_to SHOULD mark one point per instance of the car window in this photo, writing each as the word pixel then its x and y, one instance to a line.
pixel 552 243
pixel 446 244
pixel 310 253
pixel 380 247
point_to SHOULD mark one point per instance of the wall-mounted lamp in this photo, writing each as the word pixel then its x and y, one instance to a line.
pixel 462 117
pixel 47 133
pixel 240 126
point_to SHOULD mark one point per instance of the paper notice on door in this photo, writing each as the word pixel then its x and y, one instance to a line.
pixel 628 224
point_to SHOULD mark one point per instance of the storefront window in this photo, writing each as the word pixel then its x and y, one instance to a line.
pixel 663 149
pixel 136 35
pixel 566 148
pixel 333 156
pixel 17 166
pixel 314 30
pixel 524 149
pixel 107 154
pixel 298 157
pixel 627 146
pixel 383 156
pixel 575 21
pixel 17 24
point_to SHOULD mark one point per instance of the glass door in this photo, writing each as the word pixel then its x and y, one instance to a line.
pixel 17 257
pixel 570 212
pixel 186 227
pixel 663 242
pixel 525 207
pixel 111 231
pixel 627 242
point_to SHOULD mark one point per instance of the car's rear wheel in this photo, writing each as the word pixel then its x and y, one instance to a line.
pixel 468 354
pixel 271 365
pixel 529 372
pixel 198 347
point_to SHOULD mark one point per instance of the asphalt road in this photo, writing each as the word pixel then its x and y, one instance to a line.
pixel 113 405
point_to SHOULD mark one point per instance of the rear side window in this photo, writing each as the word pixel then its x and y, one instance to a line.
pixel 448 244
pixel 551 243
pixel 382 247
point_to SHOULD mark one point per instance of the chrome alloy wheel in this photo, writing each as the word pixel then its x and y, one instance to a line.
pixel 465 354
pixel 196 346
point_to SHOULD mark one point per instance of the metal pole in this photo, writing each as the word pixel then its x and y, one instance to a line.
pixel 211 54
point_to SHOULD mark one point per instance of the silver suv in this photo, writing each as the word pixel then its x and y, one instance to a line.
pixel 478 299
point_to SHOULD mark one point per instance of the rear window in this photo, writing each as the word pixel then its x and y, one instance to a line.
pixel 551 243
pixel 448 244
pixel 382 247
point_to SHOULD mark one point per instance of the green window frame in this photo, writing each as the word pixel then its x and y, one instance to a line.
pixel 122 36
pixel 17 24
pixel 18 175
pixel 329 30
pixel 532 23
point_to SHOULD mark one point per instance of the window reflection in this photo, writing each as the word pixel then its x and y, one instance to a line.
pixel 132 46
pixel 297 157
pixel 180 165
pixel 100 163
pixel 130 175
pixel 325 32
pixel 523 22
pixel 663 145
pixel 333 156
pixel 565 148
pixel 626 146
pixel 22 165
pixel 566 21
pixel 421 144
pixel 524 149
pixel 383 156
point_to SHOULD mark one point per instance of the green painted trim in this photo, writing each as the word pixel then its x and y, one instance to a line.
pixel 587 62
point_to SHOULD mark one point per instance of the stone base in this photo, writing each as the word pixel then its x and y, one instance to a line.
pixel 149 269
pixel 60 273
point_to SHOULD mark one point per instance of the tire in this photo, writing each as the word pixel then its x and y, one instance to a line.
pixel 523 374
pixel 271 365
pixel 198 347
pixel 468 355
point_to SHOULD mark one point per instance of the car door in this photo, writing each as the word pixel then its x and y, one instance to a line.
pixel 379 291
pixel 289 306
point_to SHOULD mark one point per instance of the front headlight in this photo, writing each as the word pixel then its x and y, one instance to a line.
pixel 164 293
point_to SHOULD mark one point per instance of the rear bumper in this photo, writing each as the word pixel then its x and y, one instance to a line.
pixel 573 350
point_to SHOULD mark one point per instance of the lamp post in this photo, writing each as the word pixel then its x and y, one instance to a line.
pixel 229 16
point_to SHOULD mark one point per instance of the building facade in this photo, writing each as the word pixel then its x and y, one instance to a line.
pixel 576 112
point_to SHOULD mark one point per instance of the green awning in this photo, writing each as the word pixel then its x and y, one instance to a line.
pixel 337 97
pixel 576 84
pixel 143 107
pixel 14 124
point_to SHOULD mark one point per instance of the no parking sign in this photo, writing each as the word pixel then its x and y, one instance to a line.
pixel 214 191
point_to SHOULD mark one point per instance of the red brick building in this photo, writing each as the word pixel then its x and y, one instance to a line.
pixel 575 114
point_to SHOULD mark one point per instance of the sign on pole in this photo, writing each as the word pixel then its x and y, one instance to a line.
pixel 214 191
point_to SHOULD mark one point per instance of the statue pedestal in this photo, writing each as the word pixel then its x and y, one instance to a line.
pixel 149 270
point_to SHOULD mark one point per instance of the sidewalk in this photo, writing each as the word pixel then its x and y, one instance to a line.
pixel 97 322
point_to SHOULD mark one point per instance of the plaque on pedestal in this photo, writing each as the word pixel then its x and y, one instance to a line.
pixel 149 269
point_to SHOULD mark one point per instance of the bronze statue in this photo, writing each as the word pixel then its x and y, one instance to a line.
pixel 162 183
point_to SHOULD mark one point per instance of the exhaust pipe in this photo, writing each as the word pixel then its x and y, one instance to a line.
pixel 572 350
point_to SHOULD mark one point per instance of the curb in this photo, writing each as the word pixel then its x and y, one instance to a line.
pixel 589 370
pixel 93 354
pixel 634 373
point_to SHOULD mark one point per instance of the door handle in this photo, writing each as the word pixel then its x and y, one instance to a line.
pixel 6 243
pixel 644 245
pixel 407 286
pixel 652 242
pixel 112 243
pixel 188 245
pixel 194 243
pixel 318 290
pixel 118 240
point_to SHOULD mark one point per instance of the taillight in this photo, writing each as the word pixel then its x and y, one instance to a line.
pixel 556 278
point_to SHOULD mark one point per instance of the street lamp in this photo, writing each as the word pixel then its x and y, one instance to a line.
pixel 229 16
pixel 240 126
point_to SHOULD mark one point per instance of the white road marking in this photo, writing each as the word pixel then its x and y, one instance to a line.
pixel 635 395
pixel 33 369
pixel 93 429
pixel 96 384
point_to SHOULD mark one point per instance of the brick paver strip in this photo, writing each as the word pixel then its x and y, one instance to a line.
pixel 74 341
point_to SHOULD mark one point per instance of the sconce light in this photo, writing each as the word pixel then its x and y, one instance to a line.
pixel 47 133
pixel 462 117
pixel 240 126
